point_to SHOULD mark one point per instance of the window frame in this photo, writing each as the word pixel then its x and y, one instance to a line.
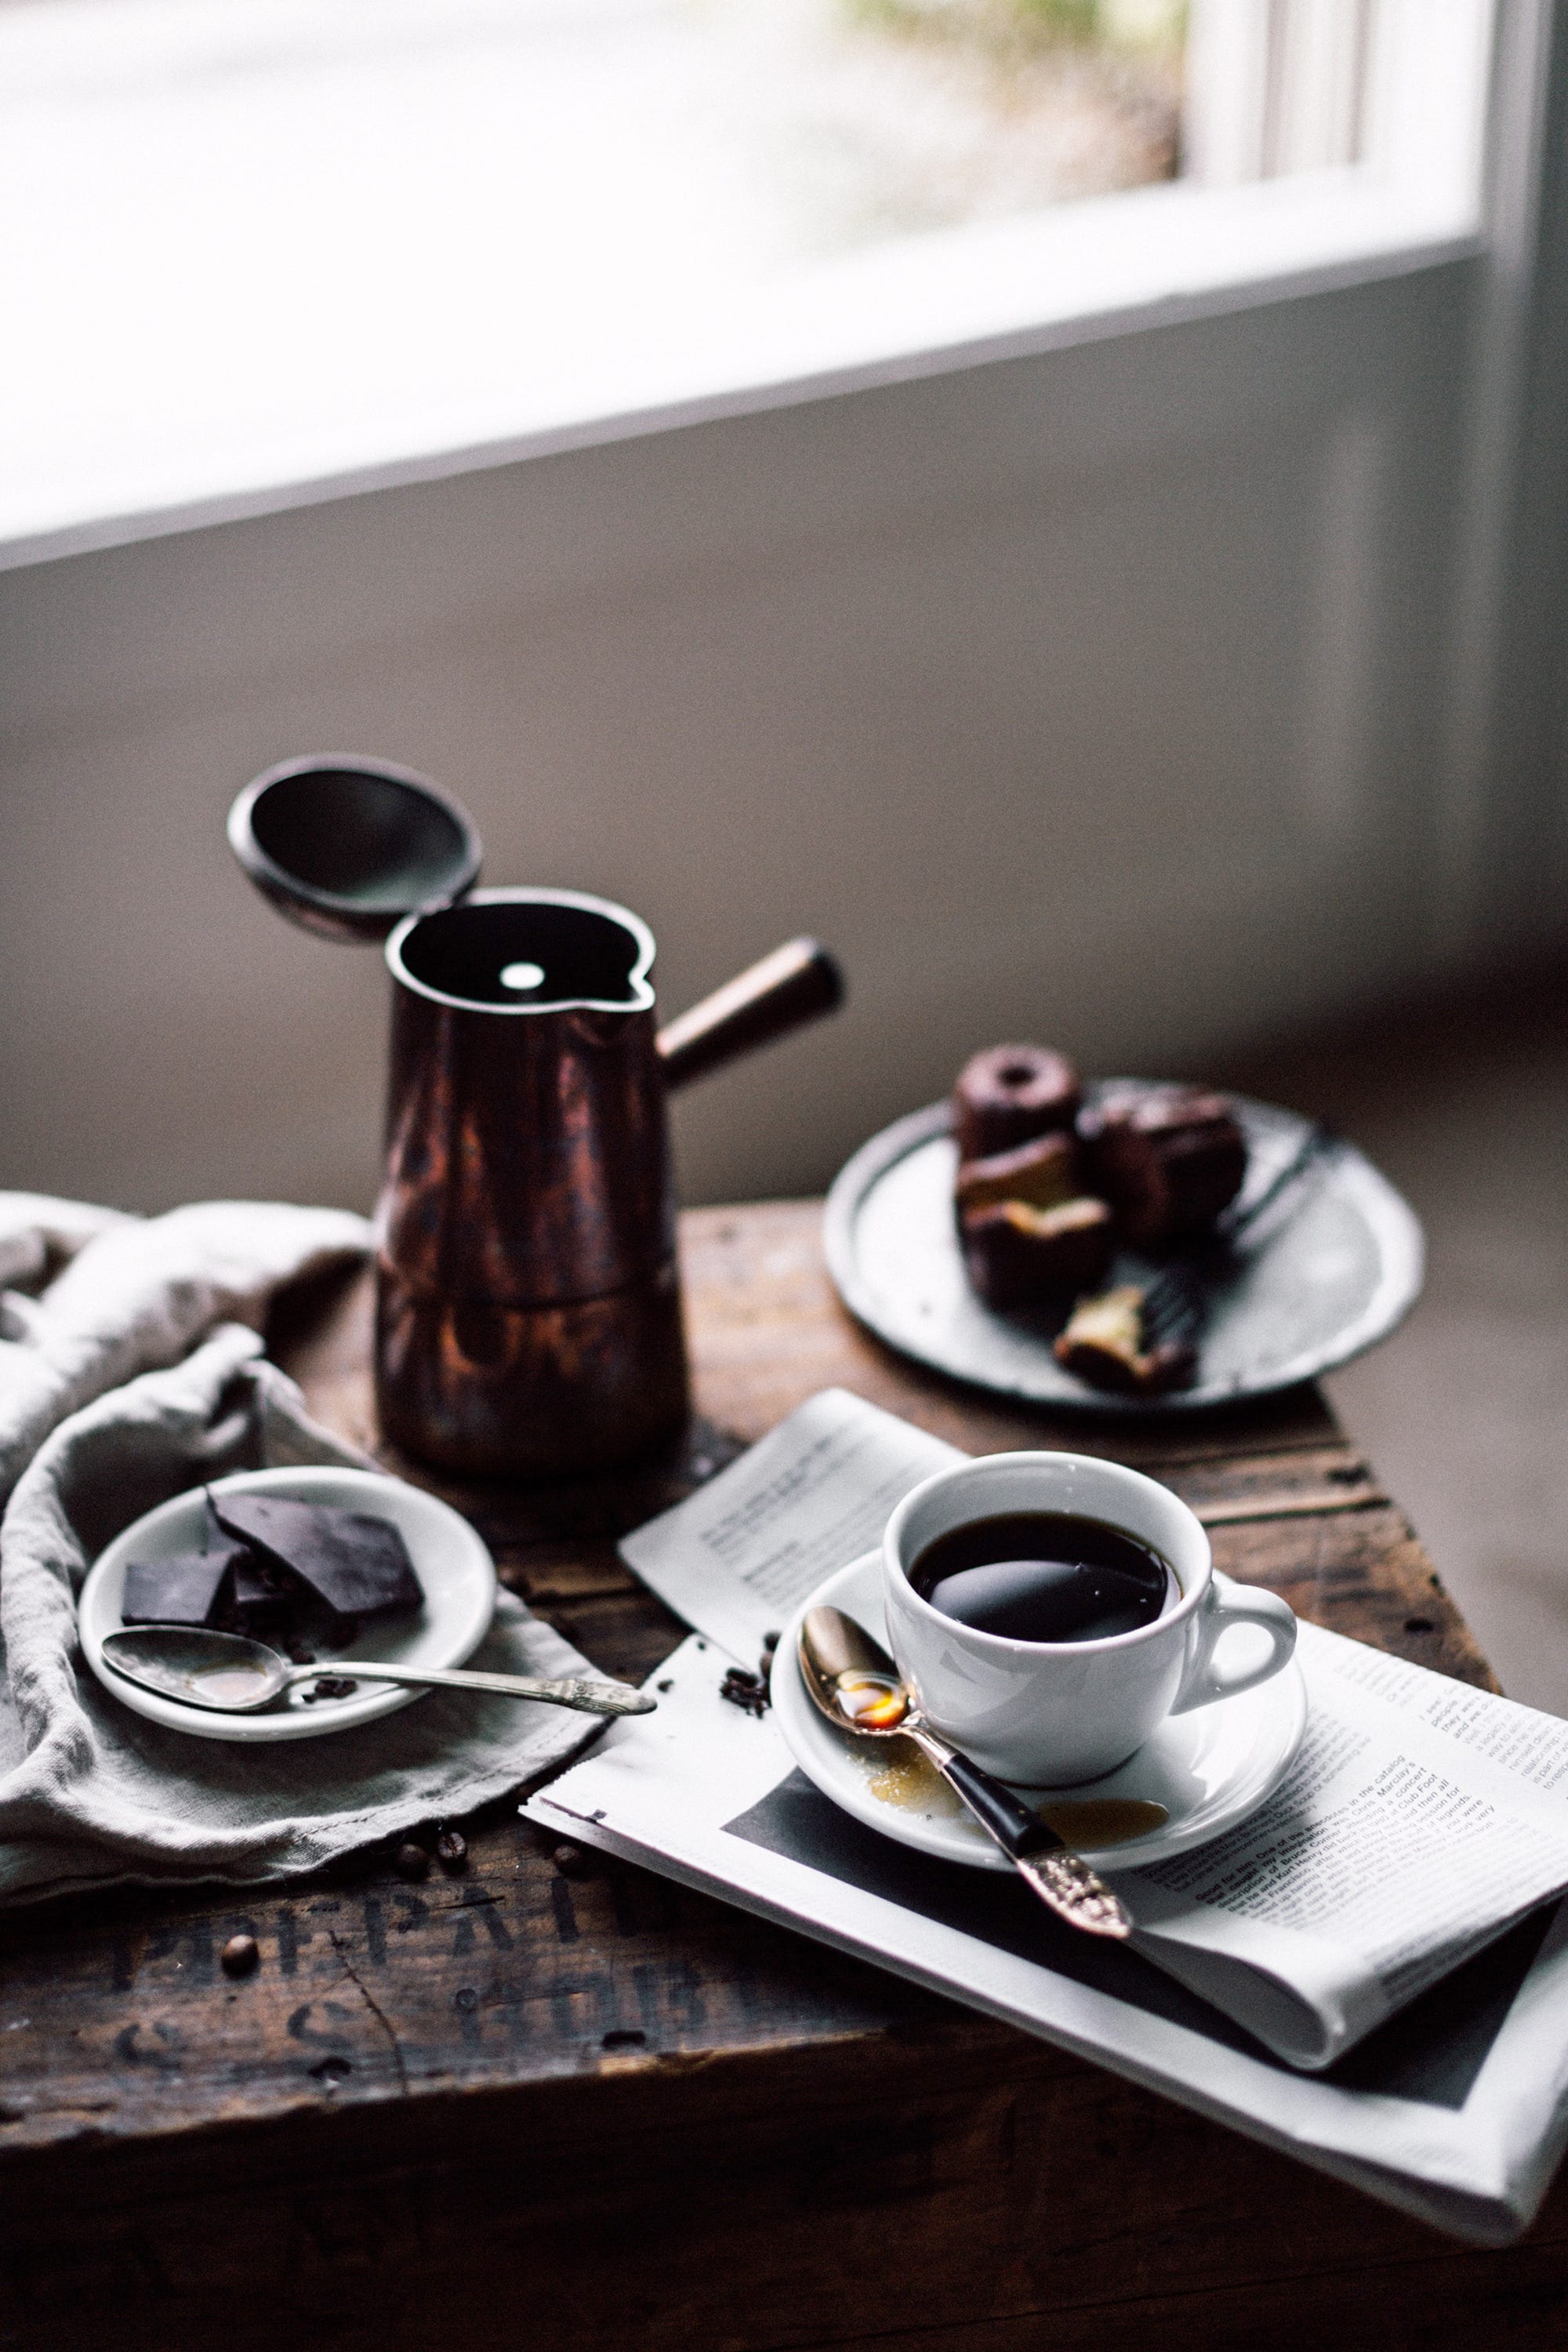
pixel 937 304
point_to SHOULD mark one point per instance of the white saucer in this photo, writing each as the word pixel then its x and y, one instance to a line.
pixel 452 1564
pixel 1209 1768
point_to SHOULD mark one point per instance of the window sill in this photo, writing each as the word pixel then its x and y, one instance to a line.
pixel 921 306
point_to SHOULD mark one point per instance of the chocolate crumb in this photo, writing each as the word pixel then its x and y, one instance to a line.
pixel 240 1956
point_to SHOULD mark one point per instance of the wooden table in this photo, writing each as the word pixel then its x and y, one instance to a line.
pixel 516 2108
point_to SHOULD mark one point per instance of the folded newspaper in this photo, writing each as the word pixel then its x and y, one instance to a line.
pixel 1369 1971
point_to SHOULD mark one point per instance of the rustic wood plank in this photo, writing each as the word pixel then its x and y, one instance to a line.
pixel 595 2108
pixel 747 2203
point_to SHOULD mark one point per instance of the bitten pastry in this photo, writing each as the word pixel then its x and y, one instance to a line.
pixel 1008 1094
pixel 1168 1159
pixel 1103 1344
pixel 1042 1174
pixel 1020 1256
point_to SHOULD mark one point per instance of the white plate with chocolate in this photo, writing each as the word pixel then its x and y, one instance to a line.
pixel 331 1565
pixel 1024 1262
pixel 1203 1772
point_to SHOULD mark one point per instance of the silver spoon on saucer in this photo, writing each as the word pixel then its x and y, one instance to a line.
pixel 858 1688
pixel 231 1675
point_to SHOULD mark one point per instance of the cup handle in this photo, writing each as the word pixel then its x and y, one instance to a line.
pixel 1235 1604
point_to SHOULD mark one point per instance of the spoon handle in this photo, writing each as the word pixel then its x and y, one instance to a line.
pixel 1062 1879
pixel 568 1690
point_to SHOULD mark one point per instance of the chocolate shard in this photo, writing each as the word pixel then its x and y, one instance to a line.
pixel 186 1589
pixel 353 1564
pixel 262 1598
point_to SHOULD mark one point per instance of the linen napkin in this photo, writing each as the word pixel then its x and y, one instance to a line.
pixel 103 1413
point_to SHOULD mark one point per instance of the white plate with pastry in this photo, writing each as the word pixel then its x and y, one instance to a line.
pixel 1333 1266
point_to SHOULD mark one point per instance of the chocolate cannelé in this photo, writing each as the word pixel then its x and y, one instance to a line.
pixel 1167 1158
pixel 1008 1094
pixel 1042 1174
pixel 1020 1256
pixel 1104 1344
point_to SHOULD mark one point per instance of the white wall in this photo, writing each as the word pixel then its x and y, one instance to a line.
pixel 1097 696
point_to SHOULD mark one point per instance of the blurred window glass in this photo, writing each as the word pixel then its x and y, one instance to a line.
pixel 333 233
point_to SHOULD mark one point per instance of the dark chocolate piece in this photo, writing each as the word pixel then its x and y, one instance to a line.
pixel 353 1564
pixel 1043 1174
pixel 1009 1094
pixel 183 1590
pixel 1104 1345
pixel 1168 1159
pixel 1019 1256
pixel 262 1599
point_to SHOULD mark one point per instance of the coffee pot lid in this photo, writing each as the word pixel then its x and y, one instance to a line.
pixel 347 846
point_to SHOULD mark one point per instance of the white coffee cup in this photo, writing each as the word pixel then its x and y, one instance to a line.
pixel 1046 1714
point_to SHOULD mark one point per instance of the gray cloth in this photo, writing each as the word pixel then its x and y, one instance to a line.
pixel 89 1792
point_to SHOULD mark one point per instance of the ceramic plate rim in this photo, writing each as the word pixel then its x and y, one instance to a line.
pixel 474 1589
pixel 1395 1227
pixel 808 1739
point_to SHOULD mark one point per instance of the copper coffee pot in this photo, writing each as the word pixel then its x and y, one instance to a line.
pixel 528 1303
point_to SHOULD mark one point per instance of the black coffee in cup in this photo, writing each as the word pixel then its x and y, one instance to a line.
pixel 1044 1576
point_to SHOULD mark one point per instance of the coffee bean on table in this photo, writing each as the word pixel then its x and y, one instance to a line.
pixel 240 1956
pixel 452 1848
pixel 572 1861
pixel 411 1861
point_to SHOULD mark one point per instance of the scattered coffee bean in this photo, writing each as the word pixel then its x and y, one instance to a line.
pixel 240 1956
pixel 572 1861
pixel 334 1685
pixel 411 1861
pixel 744 1690
pixel 452 1850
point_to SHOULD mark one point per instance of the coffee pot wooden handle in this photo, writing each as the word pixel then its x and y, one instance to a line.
pixel 798 982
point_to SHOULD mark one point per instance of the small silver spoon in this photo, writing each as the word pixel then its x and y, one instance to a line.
pixel 231 1675
pixel 857 1685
